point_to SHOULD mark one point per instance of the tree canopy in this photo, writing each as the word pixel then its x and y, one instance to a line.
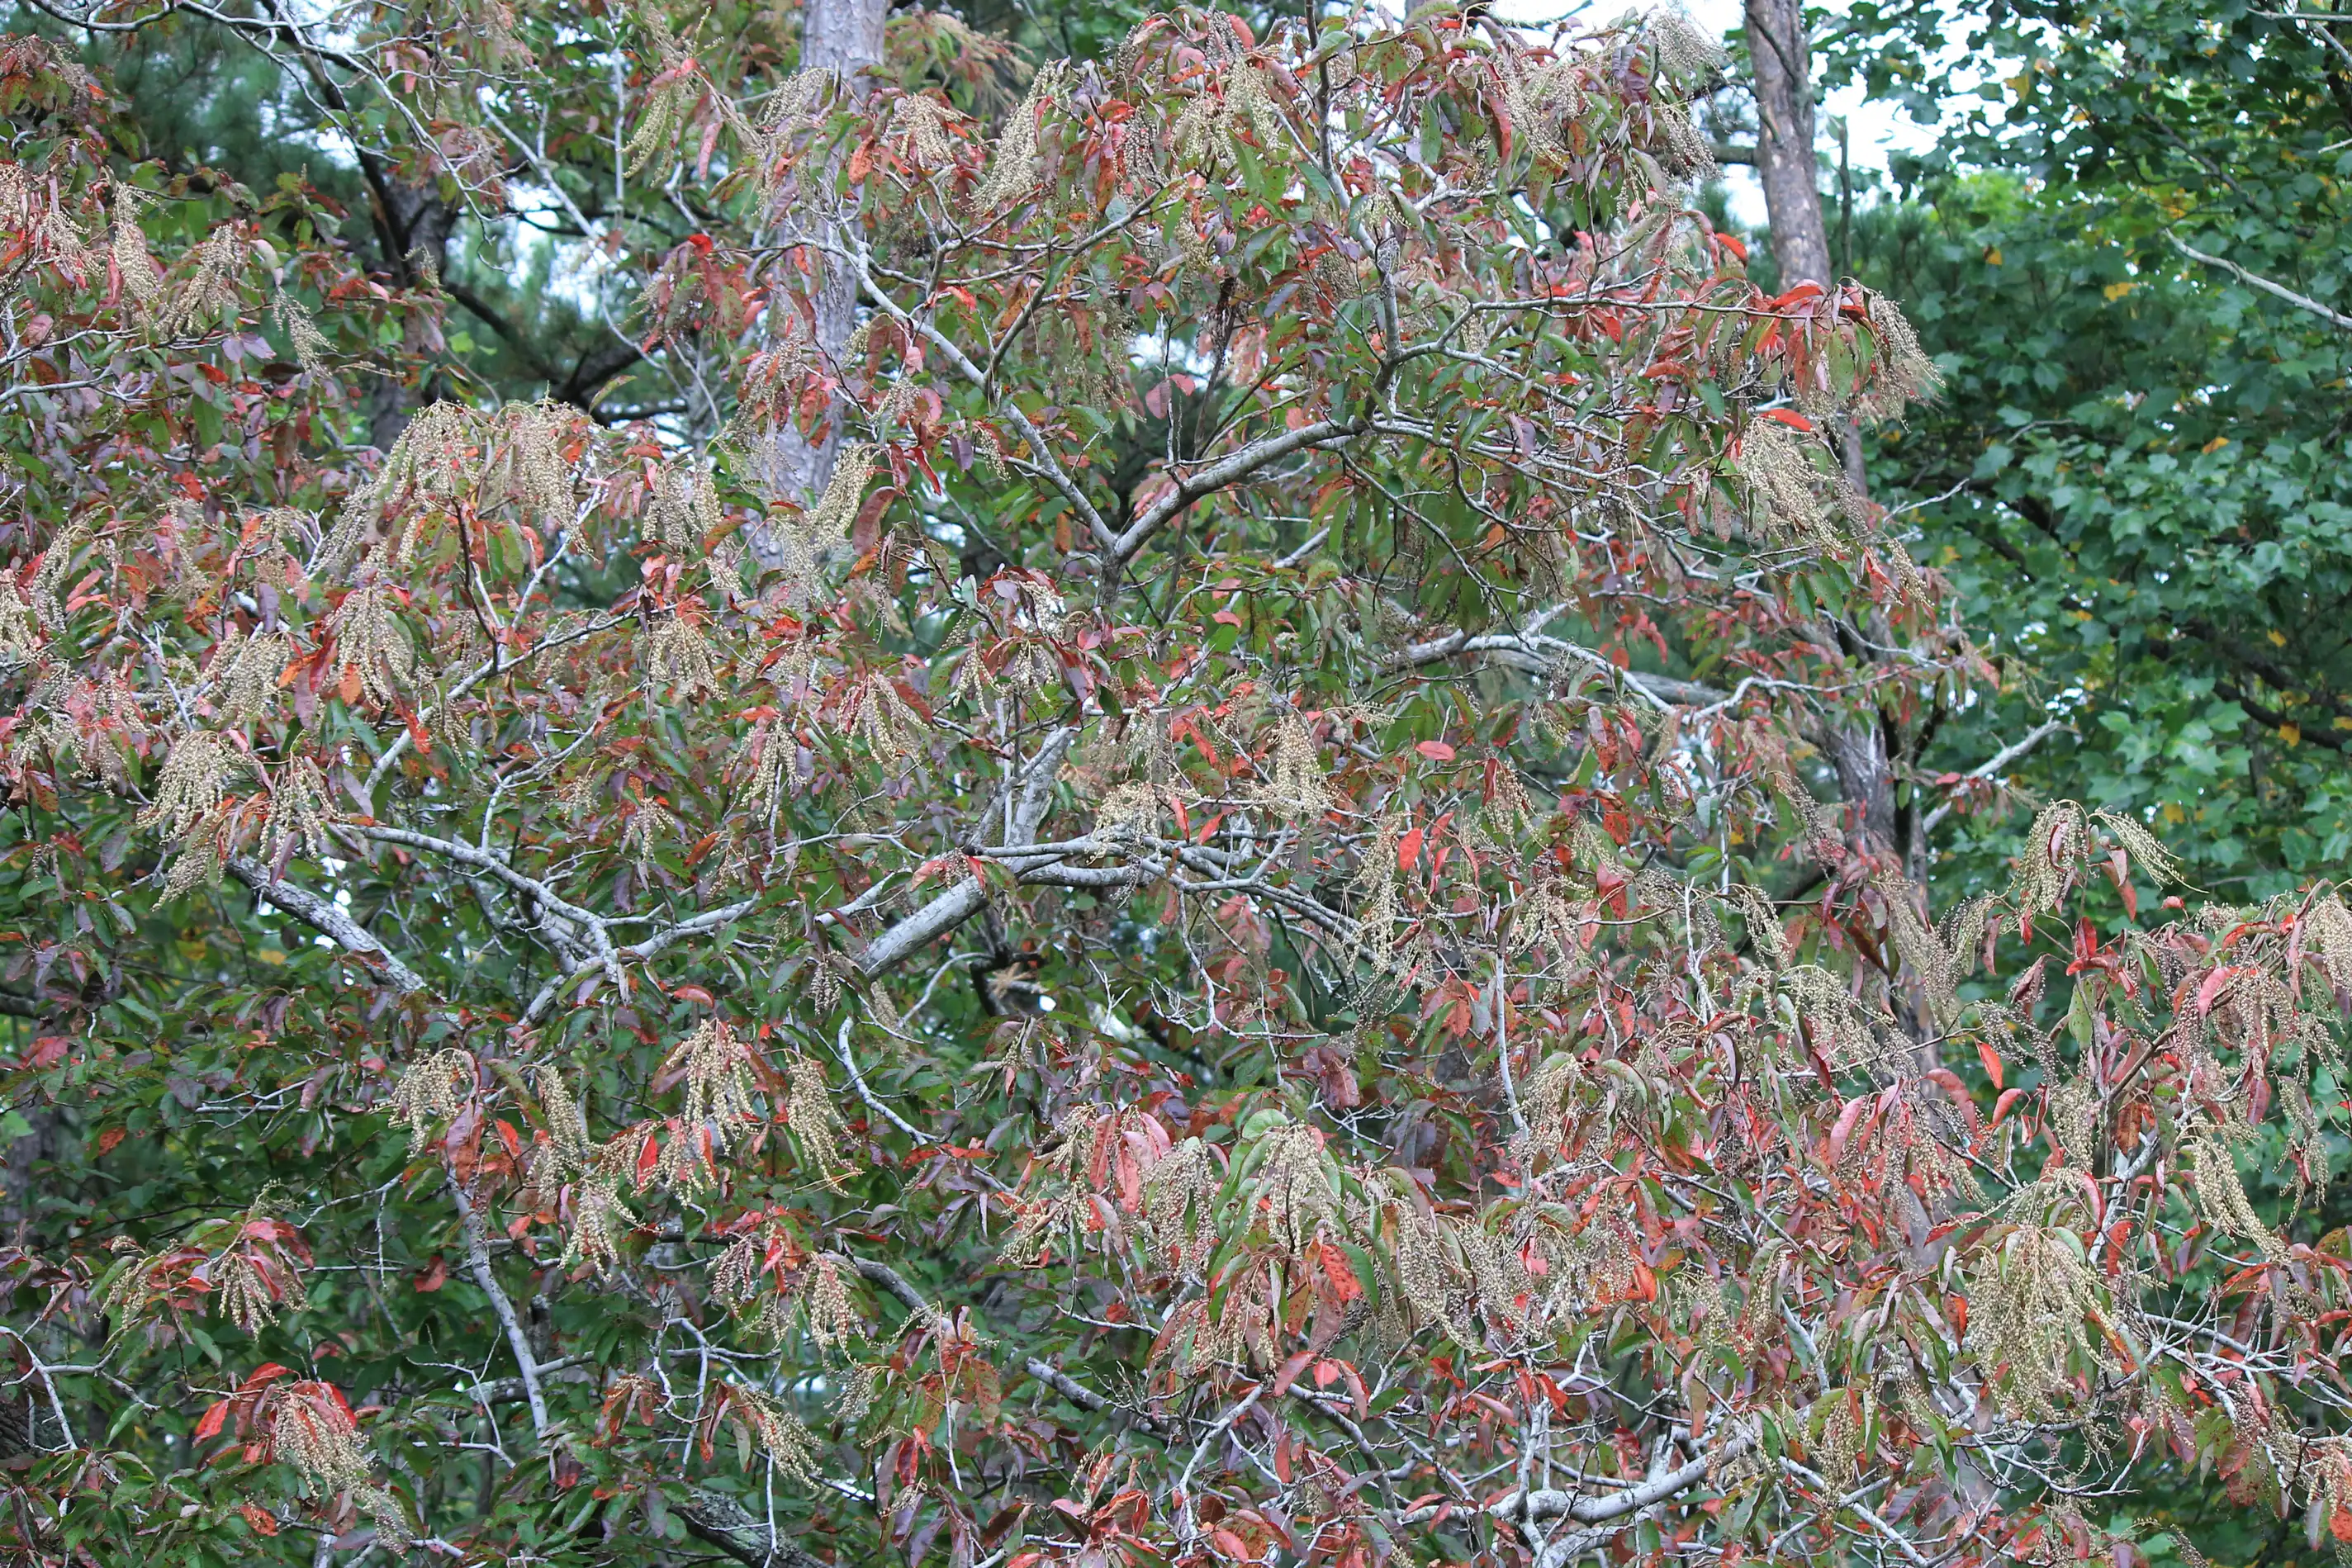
pixel 2120 256
pixel 795 786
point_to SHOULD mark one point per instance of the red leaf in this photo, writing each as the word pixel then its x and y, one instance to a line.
pixel 1992 1060
pixel 108 1139
pixel 262 1376
pixel 434 1275
pixel 1435 750
pixel 2209 990
pixel 215 1420
pixel 1843 1131
pixel 261 1520
pixel 1789 416
pixel 1408 850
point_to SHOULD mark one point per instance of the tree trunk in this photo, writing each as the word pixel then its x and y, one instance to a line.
pixel 843 37
pixel 1784 141
pixel 413 227
pixel 1801 243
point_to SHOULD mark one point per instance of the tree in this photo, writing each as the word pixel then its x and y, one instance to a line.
pixel 2124 263
pixel 1170 966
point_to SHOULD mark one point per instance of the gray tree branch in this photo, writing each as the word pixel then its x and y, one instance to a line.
pixel 2304 302
pixel 328 919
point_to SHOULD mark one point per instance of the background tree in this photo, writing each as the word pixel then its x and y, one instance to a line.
pixel 2125 259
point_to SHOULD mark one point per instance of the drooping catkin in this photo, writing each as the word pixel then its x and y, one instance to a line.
pixel 310 345
pixel 811 1115
pixel 828 522
pixel 1012 166
pixel 317 1437
pixel 246 670
pixel 778 1432
pixel 2053 849
pixel 567 1126
pixel 833 1321
pixel 2027 1313
pixel 599 1222
pixel 1291 1185
pixel 20 632
pixel 2143 847
pixel 919 124
pixel 242 1294
pixel 192 784
pixel 1763 922
pixel 1901 370
pixel 2221 1199
pixel 1293 781
pixel 1785 489
pixel 1178 1189
pixel 430 1091
pixel 370 639
pixel 211 287
pixel 678 659
pixel 716 1067
pixel 1374 894
pixel 299 811
pixel 143 280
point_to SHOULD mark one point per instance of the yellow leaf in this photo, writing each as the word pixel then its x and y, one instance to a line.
pixel 2215 444
pixel 2278 637
pixel 2174 814
pixel 269 956
pixel 2117 290
pixel 2343 723
pixel 1992 256
pixel 2291 734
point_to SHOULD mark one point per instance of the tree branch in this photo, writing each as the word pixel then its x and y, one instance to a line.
pixel 2304 302
pixel 1994 764
pixel 890 1279
pixel 636 953
pixel 327 918
pixel 727 1524
pixel 965 900
pixel 478 1259
pixel 1538 654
